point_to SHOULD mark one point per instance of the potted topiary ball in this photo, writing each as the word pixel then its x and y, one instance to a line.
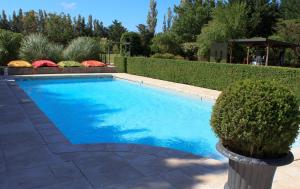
pixel 257 122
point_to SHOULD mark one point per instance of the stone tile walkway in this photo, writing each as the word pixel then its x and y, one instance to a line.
pixel 35 155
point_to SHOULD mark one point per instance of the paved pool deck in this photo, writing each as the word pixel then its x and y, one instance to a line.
pixel 34 154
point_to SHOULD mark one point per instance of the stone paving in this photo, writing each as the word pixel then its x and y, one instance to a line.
pixel 34 154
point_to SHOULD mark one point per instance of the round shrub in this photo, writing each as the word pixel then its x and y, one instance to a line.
pixel 69 64
pixel 82 48
pixel 256 118
pixel 37 47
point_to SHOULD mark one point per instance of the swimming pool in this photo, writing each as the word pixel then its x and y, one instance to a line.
pixel 107 110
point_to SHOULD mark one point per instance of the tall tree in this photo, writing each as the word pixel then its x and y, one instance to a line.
pixel 169 19
pixel 14 23
pixel 228 22
pixel 290 9
pixel 59 24
pixel 115 31
pixel 4 22
pixel 30 22
pixel 146 37
pixel 261 18
pixel 190 17
pixel 89 26
pixel 152 16
pixel 99 29
pixel 165 24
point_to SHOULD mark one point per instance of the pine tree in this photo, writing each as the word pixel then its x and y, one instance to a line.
pixel 152 16
pixel 4 22
pixel 89 26
pixel 290 9
pixel 170 19
pixel 99 29
pixel 14 22
pixel 165 24
pixel 30 22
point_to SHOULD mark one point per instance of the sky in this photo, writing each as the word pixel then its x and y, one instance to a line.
pixel 129 12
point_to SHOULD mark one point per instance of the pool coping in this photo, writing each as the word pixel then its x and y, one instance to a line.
pixel 202 93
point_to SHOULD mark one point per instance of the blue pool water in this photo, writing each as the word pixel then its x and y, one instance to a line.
pixel 105 110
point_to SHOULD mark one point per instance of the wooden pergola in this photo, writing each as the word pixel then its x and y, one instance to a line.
pixel 262 43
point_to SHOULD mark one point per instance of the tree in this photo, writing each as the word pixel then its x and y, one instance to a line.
pixel 146 37
pixel 261 17
pixel 115 31
pixel 14 23
pixel 30 22
pixel 289 31
pixel 165 24
pixel 134 41
pixel 190 17
pixel 152 16
pixel 4 22
pixel 290 9
pixel 89 26
pixel 166 42
pixel 228 22
pixel 169 19
pixel 59 24
pixel 100 30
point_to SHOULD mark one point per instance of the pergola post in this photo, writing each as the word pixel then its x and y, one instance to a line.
pixel 267 55
pixel 248 54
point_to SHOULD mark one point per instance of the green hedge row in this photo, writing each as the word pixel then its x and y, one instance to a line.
pixel 121 64
pixel 206 74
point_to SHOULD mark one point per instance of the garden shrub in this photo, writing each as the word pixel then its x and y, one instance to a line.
pixel 166 43
pixel 256 118
pixel 37 47
pixel 9 46
pixel 121 64
pixel 211 75
pixel 69 64
pixel 82 48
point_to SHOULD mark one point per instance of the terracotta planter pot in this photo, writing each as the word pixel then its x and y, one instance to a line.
pixel 251 173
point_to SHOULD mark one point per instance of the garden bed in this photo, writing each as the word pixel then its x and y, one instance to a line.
pixel 55 70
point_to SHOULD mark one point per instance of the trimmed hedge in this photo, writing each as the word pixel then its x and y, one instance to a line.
pixel 120 63
pixel 206 74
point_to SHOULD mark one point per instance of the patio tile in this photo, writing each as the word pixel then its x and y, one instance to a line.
pixel 119 147
pixel 65 170
pixel 179 179
pixel 27 156
pixel 143 183
pixel 27 178
pixel 103 171
pixel 75 184
pixel 55 138
pixel 21 137
pixel 66 147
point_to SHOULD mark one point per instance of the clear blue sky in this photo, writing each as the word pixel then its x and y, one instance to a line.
pixel 129 12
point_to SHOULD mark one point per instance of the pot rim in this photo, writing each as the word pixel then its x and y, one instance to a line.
pixel 285 160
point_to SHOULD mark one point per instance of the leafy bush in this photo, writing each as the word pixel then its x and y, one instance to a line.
pixel 37 47
pixel 82 48
pixel 69 64
pixel 167 56
pixel 166 43
pixel 211 75
pixel 256 118
pixel 135 43
pixel 9 46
